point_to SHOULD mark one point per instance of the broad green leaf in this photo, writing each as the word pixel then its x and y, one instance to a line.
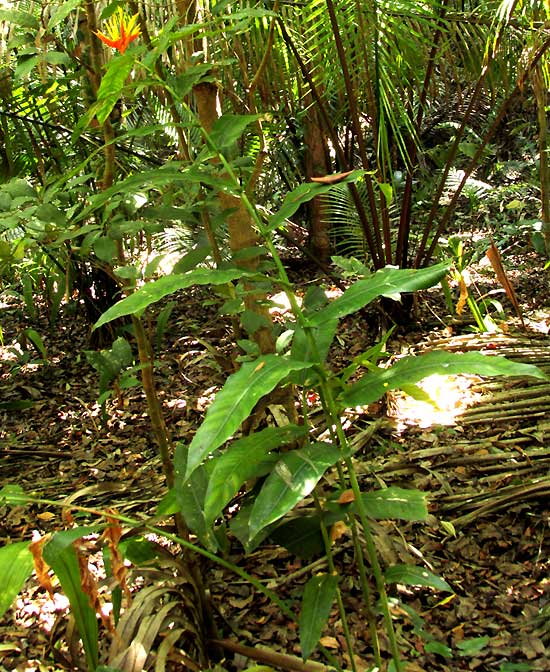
pixel 61 12
pixel 57 58
pixel 292 479
pixel 105 249
pixel 302 194
pixel 190 499
pixel 440 649
pixel 158 289
pixel 410 370
pixel 112 84
pixel 234 402
pixel 301 536
pixel 243 460
pixel 16 565
pixel 317 600
pixel 25 66
pixel 23 19
pixel 396 503
pixel 322 336
pixel 60 555
pixel 228 128
pixel 411 575
pixel 388 282
pixel 471 647
pixel 240 529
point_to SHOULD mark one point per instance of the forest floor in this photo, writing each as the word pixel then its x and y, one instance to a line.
pixel 486 475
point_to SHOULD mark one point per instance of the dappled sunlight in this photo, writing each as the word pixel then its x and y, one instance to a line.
pixel 449 397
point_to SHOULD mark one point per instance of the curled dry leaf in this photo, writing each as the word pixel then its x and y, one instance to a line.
pixel 40 567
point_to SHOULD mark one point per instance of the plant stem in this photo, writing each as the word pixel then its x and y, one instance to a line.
pixel 332 570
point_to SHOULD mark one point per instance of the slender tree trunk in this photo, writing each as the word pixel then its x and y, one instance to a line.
pixel 541 95
pixel 242 234
pixel 315 163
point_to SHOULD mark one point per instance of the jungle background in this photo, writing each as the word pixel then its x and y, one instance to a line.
pixel 274 335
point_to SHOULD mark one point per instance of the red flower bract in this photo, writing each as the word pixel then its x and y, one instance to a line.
pixel 121 30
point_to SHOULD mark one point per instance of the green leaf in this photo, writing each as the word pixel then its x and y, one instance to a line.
pixel 190 499
pixel 411 575
pixel 240 529
pixel 158 289
pixel 396 503
pixel 301 536
pixel 23 19
pixel 302 194
pixel 17 405
pixel 471 647
pixel 439 648
pixel 105 249
pixel 61 12
pixel 13 495
pixel 292 479
pixel 60 555
pixel 243 460
pixel 317 600
pixel 228 128
pixel 16 565
pixel 235 401
pixel 323 335
pixel 57 58
pixel 410 370
pixel 25 66
pixel 112 84
pixel 389 282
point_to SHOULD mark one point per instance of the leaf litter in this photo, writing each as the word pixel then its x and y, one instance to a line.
pixel 486 475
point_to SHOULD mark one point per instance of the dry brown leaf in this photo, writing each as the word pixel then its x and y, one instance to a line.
pixel 112 535
pixel 338 530
pixel 346 497
pixel 463 296
pixel 496 262
pixel 329 642
pixel 331 179
pixel 40 567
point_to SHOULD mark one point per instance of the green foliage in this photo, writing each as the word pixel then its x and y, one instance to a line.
pixel 60 555
pixel 232 405
pixel 410 575
pixel 16 565
pixel 410 370
pixel 317 600
pixel 293 478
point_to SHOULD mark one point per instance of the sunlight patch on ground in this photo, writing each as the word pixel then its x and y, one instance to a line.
pixel 450 396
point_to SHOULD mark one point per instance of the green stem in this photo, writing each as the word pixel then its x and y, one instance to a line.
pixel 332 570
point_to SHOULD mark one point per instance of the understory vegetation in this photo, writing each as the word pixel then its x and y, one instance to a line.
pixel 234 238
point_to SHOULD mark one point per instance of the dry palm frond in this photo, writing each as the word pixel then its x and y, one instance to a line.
pixel 163 622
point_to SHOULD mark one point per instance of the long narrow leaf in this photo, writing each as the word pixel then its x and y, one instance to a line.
pixel 410 370
pixel 411 575
pixel 293 478
pixel 158 289
pixel 317 601
pixel 16 565
pixel 61 556
pixel 388 282
pixel 234 402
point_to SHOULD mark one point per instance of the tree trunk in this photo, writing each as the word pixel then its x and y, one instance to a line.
pixel 316 164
